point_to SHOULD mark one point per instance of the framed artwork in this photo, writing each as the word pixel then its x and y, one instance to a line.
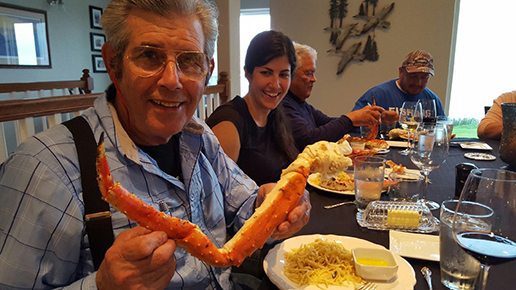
pixel 96 41
pixel 95 15
pixel 98 63
pixel 23 37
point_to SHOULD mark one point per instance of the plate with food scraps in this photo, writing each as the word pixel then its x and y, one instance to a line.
pixel 413 245
pixel 314 180
pixel 479 156
pixel 274 264
pixel 408 174
pixel 475 145
pixel 382 151
pixel 397 144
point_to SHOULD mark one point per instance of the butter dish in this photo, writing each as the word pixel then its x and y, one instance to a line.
pixel 398 215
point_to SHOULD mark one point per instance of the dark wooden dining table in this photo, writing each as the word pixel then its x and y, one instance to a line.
pixel 342 220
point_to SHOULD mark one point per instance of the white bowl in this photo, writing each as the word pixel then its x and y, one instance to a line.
pixel 375 264
pixel 357 145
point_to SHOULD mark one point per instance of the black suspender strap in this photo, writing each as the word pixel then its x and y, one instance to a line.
pixel 96 211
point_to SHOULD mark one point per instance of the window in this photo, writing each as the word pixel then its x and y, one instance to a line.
pixel 484 60
pixel 252 22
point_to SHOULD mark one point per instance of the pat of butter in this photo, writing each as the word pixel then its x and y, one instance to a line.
pixel 372 262
pixel 403 218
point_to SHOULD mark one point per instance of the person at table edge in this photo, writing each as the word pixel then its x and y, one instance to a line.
pixel 411 85
pixel 309 124
pixel 491 126
pixel 159 56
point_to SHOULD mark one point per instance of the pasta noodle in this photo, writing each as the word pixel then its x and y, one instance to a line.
pixel 321 263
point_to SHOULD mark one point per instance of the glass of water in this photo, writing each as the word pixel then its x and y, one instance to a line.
pixel 369 176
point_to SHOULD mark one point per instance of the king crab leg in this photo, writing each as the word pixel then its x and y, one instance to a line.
pixel 253 234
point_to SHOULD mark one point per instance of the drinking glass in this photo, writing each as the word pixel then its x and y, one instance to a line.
pixel 429 110
pixel 483 223
pixel 429 153
pixel 458 269
pixel 402 189
pixel 448 122
pixel 409 119
pixel 369 176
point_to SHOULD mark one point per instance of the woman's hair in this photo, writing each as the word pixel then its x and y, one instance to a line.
pixel 266 46
pixel 281 129
pixel 263 48
pixel 114 20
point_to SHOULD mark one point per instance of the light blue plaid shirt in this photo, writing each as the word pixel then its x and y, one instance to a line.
pixel 43 243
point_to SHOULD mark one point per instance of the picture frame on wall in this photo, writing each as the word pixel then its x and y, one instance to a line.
pixel 96 41
pixel 23 48
pixel 98 63
pixel 95 15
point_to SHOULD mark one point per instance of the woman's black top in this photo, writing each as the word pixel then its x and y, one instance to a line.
pixel 260 156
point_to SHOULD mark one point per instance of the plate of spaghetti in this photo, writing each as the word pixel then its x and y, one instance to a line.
pixel 325 262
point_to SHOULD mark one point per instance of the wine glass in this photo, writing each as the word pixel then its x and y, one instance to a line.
pixel 483 222
pixel 429 153
pixel 429 110
pixel 409 118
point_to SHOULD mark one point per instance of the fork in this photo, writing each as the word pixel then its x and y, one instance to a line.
pixel 338 204
pixel 368 286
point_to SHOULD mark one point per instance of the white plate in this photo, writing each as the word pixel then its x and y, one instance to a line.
pixel 411 245
pixel 312 181
pixel 275 262
pixel 398 144
pixel 479 156
pixel 382 151
pixel 410 174
pixel 475 145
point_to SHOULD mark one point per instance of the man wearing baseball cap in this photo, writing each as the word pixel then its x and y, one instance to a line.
pixel 414 73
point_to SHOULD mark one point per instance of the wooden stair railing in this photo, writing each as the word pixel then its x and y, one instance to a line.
pixel 25 117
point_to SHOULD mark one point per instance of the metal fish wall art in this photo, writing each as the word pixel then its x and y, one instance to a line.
pixel 364 24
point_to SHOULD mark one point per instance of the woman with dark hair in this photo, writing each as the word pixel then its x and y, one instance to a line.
pixel 252 130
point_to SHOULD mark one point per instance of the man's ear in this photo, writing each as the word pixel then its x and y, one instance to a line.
pixel 208 76
pixel 109 55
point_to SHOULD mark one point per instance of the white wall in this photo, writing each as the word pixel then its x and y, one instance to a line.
pixel 414 24
pixel 69 41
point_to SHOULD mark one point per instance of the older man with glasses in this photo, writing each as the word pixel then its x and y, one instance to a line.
pixel 309 124
pixel 414 74
pixel 159 57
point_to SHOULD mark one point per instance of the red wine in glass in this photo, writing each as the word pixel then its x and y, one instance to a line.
pixel 487 248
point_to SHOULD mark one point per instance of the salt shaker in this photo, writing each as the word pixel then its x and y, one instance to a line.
pixel 461 174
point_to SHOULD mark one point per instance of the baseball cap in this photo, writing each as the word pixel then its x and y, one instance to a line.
pixel 419 61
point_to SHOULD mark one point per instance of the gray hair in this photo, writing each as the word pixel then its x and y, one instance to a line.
pixel 303 50
pixel 114 19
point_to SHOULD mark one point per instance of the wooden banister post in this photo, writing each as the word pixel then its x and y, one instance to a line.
pixel 224 80
pixel 89 81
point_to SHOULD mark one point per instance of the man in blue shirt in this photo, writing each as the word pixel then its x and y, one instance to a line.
pixel 158 56
pixel 414 73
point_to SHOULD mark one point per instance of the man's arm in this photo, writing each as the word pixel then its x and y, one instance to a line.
pixel 326 128
pixel 491 126
pixel 40 227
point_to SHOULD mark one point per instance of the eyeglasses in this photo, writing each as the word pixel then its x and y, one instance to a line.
pixel 148 61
